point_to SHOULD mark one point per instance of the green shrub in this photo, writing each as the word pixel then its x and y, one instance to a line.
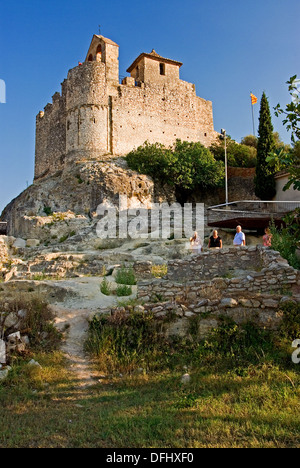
pixel 124 290
pixel 79 179
pixel 123 341
pixel 286 239
pixel 290 325
pixel 105 287
pixel 239 344
pixel 126 276
pixel 39 321
pixel 48 211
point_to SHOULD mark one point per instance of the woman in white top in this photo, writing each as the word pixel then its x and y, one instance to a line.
pixel 196 243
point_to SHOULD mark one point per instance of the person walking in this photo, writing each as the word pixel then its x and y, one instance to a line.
pixel 215 241
pixel 239 238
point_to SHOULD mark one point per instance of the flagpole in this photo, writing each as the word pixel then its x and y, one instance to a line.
pixel 252 113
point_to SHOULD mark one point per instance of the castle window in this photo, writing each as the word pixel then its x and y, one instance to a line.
pixel 90 59
pixel 99 53
pixel 137 72
pixel 162 69
pixel 205 134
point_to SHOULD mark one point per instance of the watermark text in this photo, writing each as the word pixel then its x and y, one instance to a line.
pixel 2 92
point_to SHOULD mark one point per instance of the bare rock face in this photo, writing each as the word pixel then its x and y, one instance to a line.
pixel 5 255
pixel 78 190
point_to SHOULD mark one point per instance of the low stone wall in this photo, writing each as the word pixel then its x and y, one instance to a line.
pixel 201 286
pixel 225 262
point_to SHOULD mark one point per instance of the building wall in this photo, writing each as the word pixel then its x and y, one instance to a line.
pixel 162 114
pixel 149 71
pixel 288 195
pixel 51 137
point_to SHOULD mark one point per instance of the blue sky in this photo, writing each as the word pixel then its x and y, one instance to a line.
pixel 227 49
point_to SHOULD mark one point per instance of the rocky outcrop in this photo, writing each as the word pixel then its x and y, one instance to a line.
pixel 78 190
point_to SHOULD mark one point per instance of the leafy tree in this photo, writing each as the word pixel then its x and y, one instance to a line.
pixel 279 144
pixel 187 166
pixel 238 155
pixel 195 167
pixel 264 178
pixel 154 160
pixel 250 140
pixel 290 159
pixel 292 110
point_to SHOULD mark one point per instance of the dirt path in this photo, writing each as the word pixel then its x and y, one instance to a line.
pixel 85 299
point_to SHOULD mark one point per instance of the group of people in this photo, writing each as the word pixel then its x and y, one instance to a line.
pixel 215 241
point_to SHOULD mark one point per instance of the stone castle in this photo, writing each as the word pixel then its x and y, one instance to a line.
pixel 96 116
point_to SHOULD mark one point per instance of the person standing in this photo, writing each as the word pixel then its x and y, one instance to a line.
pixel 215 241
pixel 239 238
pixel 196 243
pixel 267 238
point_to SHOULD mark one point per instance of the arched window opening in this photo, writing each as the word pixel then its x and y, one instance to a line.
pixel 137 73
pixel 99 53
pixel 90 59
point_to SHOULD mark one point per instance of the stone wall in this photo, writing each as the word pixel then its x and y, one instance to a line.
pixel 50 146
pixel 203 288
pixel 160 113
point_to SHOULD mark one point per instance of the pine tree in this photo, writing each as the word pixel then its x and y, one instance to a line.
pixel 264 179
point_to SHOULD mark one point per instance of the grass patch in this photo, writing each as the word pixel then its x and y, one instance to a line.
pixel 159 271
pixel 121 341
pixel 244 392
pixel 45 277
pixel 130 302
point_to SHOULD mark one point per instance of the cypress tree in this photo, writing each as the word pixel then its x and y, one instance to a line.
pixel 264 179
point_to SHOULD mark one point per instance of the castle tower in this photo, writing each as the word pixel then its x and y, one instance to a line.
pixel 152 68
pixel 89 87
pixel 105 51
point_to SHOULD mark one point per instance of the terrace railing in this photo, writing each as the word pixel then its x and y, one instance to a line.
pixel 250 213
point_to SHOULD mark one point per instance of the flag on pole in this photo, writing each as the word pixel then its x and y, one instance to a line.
pixel 253 99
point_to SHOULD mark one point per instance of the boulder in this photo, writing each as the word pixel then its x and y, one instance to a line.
pixel 3 374
pixel 228 302
pixel 32 243
pixel 19 243
pixel 15 343
pixel 11 320
pixel 34 363
pixel 185 379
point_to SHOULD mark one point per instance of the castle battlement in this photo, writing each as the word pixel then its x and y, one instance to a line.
pixel 95 116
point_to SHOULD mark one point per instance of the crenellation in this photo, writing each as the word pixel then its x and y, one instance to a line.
pixel 95 115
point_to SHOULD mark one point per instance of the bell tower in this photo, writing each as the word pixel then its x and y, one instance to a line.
pixel 106 51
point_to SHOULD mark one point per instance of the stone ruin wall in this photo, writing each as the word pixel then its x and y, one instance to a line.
pixel 202 287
